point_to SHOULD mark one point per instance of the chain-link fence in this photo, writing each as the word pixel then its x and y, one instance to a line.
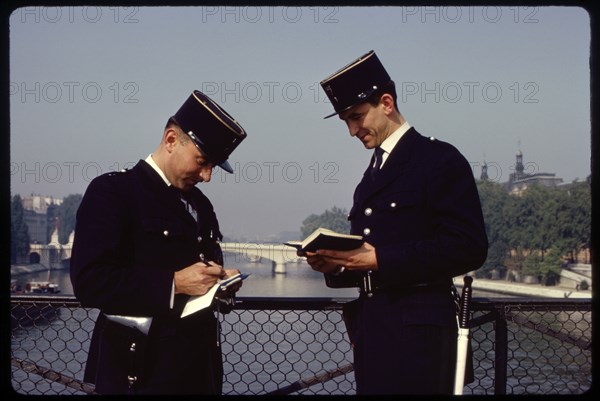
pixel 300 346
pixel 527 346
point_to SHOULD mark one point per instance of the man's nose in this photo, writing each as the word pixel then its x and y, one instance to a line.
pixel 206 174
pixel 353 128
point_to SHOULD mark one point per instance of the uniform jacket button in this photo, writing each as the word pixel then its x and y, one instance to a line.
pixel 166 233
pixel 199 239
pixel 393 204
pixel 368 211
pixel 367 231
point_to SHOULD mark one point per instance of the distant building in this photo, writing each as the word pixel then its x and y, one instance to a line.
pixel 35 214
pixel 519 181
pixel 38 203
pixel 37 225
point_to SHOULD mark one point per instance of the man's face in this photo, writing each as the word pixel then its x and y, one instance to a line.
pixel 188 166
pixel 368 123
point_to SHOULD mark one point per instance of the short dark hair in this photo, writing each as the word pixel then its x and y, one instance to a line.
pixel 389 88
pixel 172 122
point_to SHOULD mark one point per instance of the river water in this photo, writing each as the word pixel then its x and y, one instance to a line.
pixel 299 281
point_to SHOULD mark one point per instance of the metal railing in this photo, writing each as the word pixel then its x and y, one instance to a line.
pixel 300 346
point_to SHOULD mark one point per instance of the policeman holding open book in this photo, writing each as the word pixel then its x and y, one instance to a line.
pixel 418 210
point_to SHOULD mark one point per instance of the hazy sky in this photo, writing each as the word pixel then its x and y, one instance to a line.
pixel 91 89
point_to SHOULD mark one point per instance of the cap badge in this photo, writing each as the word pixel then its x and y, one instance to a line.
pixel 330 93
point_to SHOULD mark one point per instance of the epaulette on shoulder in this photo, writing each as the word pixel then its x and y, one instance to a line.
pixel 117 173
pixel 436 143
pixel 434 140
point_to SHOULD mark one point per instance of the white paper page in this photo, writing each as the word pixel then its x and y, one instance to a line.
pixel 197 303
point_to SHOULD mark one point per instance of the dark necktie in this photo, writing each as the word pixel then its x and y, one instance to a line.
pixel 378 161
pixel 186 199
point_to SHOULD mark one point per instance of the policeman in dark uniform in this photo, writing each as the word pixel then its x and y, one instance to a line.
pixel 418 209
pixel 147 239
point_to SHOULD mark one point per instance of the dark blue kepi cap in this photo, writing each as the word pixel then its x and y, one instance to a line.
pixel 354 83
pixel 214 132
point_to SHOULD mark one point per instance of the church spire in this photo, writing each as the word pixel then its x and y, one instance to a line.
pixel 519 168
pixel 484 167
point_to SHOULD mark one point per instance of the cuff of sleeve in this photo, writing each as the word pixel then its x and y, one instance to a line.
pixel 172 301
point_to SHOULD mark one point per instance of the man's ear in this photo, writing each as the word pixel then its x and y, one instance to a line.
pixel 170 138
pixel 388 103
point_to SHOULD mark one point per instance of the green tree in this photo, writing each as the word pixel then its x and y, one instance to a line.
pixel 536 229
pixel 541 225
pixel 521 221
pixel 335 219
pixel 574 219
pixel 494 200
pixel 531 265
pixel 546 269
pixel 550 267
pixel 67 213
pixel 19 233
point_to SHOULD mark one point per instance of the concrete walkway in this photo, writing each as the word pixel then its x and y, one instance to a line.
pixel 529 290
pixel 16 270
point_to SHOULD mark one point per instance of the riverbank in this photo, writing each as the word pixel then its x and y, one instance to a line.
pixel 485 285
pixel 526 290
pixel 17 270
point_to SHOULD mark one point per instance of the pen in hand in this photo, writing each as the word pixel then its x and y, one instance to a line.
pixel 207 264
pixel 203 259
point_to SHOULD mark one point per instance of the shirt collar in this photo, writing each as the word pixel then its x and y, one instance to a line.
pixel 153 164
pixel 390 142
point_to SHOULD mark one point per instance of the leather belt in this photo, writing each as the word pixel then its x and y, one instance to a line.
pixel 371 285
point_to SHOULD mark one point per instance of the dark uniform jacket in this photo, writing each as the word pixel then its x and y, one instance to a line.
pixel 132 234
pixel 423 216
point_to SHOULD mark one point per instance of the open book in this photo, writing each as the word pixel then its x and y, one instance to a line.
pixel 196 303
pixel 323 238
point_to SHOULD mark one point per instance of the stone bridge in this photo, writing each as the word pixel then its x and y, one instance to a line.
pixel 53 255
pixel 278 254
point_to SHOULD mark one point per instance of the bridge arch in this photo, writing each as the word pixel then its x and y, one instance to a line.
pixel 278 254
pixel 34 258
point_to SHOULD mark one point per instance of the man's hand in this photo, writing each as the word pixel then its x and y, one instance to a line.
pixel 198 278
pixel 328 261
pixel 233 288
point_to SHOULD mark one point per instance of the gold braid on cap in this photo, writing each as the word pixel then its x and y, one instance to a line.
pixel 218 117
pixel 349 66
